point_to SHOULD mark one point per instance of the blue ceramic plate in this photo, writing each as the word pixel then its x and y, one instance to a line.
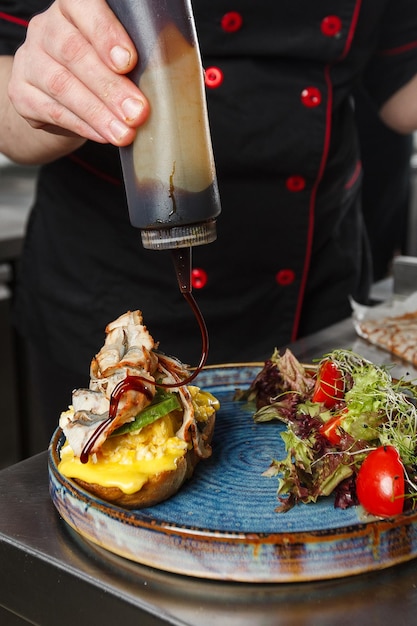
pixel 223 525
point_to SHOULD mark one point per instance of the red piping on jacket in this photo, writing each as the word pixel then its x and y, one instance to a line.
pixel 326 146
pixel 399 50
pixel 356 173
pixel 13 18
pixel 95 171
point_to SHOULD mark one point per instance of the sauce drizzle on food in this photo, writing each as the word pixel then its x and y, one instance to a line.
pixel 128 383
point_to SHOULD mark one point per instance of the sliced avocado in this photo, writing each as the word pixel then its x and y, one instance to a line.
pixel 162 404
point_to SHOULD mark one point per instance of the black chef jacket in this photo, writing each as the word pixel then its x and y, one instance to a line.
pixel 291 246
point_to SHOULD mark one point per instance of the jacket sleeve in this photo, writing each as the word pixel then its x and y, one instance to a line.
pixel 395 61
pixel 14 18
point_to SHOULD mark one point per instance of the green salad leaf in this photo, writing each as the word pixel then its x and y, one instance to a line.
pixel 163 403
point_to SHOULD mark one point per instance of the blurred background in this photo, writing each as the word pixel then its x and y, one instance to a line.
pixel 21 436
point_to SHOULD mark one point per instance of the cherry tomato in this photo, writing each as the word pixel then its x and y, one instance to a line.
pixel 330 385
pixel 380 482
pixel 330 429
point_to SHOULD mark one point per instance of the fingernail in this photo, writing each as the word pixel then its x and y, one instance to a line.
pixel 132 108
pixel 120 57
pixel 118 129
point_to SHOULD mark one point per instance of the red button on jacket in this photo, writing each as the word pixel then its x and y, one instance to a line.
pixel 331 26
pixel 231 22
pixel 295 183
pixel 285 277
pixel 311 97
pixel 213 77
pixel 198 278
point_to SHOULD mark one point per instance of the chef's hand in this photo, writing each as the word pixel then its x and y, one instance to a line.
pixel 68 76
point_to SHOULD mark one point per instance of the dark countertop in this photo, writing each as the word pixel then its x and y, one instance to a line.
pixel 51 576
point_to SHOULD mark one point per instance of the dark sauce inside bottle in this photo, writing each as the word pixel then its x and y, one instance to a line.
pixel 182 264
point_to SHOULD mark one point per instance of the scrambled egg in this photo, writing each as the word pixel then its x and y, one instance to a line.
pixel 204 403
pixel 130 460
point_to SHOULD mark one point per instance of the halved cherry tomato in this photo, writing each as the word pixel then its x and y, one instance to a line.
pixel 330 384
pixel 380 482
pixel 330 429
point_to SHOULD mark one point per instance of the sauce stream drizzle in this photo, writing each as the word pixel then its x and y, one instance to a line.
pixel 182 262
